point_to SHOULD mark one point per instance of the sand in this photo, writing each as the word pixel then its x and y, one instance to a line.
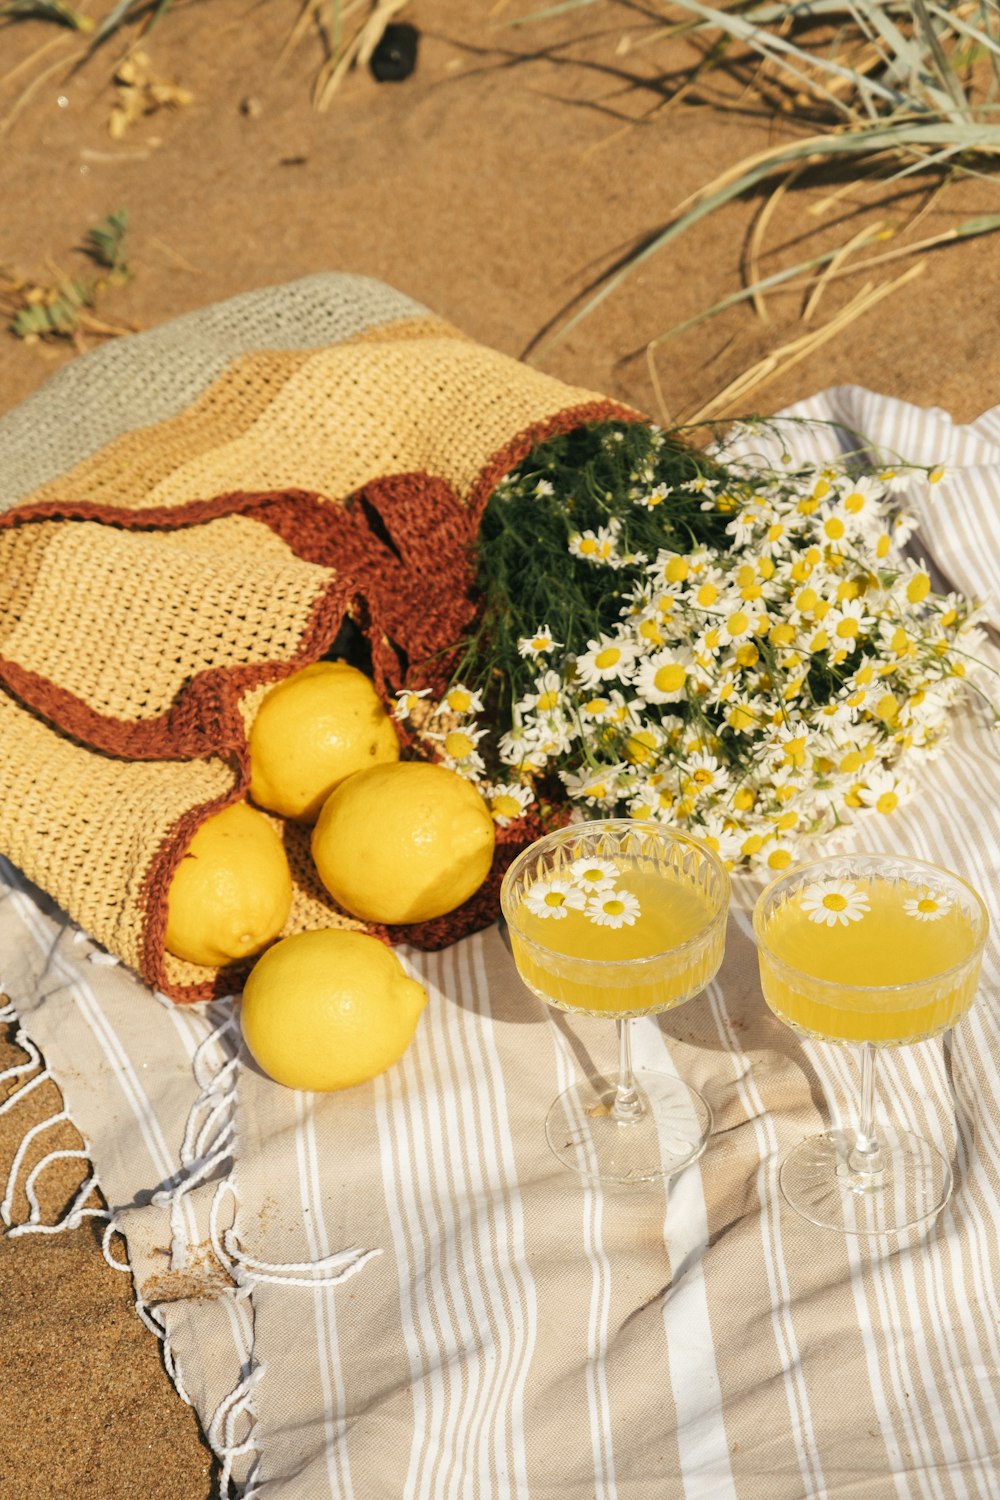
pixel 496 185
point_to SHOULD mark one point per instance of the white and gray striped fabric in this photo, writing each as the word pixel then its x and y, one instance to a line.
pixel 397 1291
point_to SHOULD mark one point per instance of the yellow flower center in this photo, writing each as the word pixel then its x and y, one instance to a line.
pixel 887 803
pixel 670 678
pixel 855 502
pixel 834 528
pixel 927 904
pixel 834 901
pixel 547 701
pixel 744 799
pixel 918 588
pixel 741 717
pixel 847 628
pixel 505 806
pixel 779 859
pixel 640 747
pixel 458 745
pixel 782 635
pixel 676 570
pixel 608 657
pixel 554 898
pixel 738 622
pixel 706 595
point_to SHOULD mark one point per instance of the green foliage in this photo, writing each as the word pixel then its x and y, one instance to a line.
pixel 63 310
pixel 104 244
pixel 46 10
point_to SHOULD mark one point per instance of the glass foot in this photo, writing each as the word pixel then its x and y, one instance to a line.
pixel 672 1130
pixel 903 1185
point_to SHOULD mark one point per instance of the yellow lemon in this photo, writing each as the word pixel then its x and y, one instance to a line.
pixel 232 891
pixel 318 726
pixel 326 1010
pixel 403 843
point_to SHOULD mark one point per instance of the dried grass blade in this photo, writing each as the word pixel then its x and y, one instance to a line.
pixel 753 169
pixel 862 237
pixel 757 237
pixel 791 354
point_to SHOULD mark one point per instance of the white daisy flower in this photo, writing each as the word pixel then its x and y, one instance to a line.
pixel 538 644
pixel 407 700
pixel 612 908
pixel 604 659
pixel 834 903
pixel 547 696
pixel 860 499
pixel 507 801
pixel 460 700
pixel 885 791
pixel 650 498
pixel 600 785
pixel 662 677
pixel 598 546
pixel 543 489
pixel 554 897
pixel 594 874
pixel 929 906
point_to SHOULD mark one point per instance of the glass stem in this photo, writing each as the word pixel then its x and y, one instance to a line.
pixel 627 1105
pixel 866 1156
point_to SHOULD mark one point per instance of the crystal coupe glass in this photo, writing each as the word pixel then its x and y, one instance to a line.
pixel 875 950
pixel 618 919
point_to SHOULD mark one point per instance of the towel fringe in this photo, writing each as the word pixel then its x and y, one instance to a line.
pixel 222 1438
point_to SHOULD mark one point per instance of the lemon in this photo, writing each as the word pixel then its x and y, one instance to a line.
pixel 318 726
pixel 326 1010
pixel 403 843
pixel 232 891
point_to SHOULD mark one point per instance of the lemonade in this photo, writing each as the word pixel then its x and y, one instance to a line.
pixel 879 959
pixel 644 940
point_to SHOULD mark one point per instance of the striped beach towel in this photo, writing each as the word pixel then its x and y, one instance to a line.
pixel 397 1291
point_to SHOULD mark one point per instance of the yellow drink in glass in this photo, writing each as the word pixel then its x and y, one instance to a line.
pixel 881 950
pixel 667 963
pixel 897 971
pixel 619 918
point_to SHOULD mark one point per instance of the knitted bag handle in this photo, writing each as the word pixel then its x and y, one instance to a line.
pixel 152 592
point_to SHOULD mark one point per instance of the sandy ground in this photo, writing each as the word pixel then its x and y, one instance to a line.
pixel 496 185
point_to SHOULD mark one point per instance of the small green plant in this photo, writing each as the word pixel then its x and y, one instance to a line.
pixel 64 307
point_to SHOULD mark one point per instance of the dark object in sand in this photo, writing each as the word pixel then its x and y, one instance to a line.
pixel 395 57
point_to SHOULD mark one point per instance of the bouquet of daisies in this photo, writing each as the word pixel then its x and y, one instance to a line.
pixel 724 641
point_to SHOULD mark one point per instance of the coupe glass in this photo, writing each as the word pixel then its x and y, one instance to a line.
pixel 879 951
pixel 620 919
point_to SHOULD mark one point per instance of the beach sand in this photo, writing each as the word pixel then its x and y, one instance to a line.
pixel 496 185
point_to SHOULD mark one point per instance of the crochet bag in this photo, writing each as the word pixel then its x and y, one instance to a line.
pixel 199 509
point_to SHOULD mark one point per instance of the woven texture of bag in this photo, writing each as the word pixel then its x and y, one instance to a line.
pixel 190 514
